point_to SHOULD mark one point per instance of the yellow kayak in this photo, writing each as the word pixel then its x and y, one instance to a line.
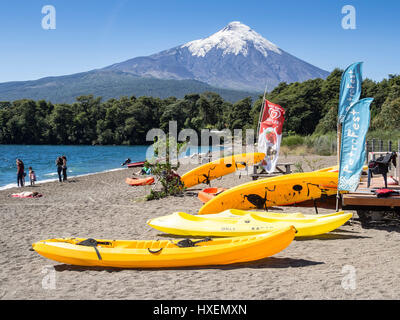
pixel 180 223
pixel 277 216
pixel 335 169
pixel 165 253
pixel 221 167
pixel 276 191
pixel 328 169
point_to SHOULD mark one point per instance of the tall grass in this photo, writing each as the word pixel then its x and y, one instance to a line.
pixel 326 144
pixel 385 136
pixel 323 145
pixel 393 135
pixel 293 140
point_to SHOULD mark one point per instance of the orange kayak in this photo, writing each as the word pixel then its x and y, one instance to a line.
pixel 139 182
pixel 209 193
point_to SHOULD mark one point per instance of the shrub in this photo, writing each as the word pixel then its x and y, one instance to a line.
pixel 322 144
pixel 165 172
pixel 170 182
pixel 325 145
pixel 291 141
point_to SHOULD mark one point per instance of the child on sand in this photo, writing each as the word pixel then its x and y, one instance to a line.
pixel 32 176
pixel 146 170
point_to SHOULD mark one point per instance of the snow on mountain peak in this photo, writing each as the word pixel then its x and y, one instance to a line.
pixel 233 39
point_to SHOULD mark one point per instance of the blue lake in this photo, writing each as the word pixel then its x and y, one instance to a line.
pixel 81 159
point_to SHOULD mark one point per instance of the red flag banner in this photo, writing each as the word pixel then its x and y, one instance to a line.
pixel 270 134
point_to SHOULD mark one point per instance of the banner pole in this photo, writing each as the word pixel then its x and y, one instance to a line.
pixel 261 112
pixel 337 201
pixel 339 141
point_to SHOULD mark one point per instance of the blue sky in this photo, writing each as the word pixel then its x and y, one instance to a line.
pixel 92 34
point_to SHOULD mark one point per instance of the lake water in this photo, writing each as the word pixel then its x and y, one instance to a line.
pixel 81 160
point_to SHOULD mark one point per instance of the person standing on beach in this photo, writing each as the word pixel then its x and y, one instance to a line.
pixel 20 172
pixel 59 164
pixel 64 168
pixel 32 176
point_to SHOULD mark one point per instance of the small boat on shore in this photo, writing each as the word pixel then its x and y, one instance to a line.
pixel 208 193
pixel 139 181
pixel 275 191
pixel 136 164
pixel 220 167
pixel 234 223
pixel 164 253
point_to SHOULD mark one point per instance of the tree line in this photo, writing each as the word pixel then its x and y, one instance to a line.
pixel 311 107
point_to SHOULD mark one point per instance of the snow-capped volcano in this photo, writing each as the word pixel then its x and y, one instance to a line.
pixel 236 57
pixel 236 38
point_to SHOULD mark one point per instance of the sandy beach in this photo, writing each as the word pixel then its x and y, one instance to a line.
pixel 103 206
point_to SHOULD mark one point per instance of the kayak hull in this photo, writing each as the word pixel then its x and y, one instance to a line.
pixel 276 216
pixel 275 191
pixel 221 167
pixel 165 253
pixel 140 181
pixel 136 164
pixel 335 169
pixel 208 193
pixel 180 223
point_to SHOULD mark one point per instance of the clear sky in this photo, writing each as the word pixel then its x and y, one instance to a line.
pixel 93 34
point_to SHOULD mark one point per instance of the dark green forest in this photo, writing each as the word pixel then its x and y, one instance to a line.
pixel 311 108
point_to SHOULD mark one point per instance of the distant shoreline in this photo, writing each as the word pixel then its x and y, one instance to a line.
pixel 82 160
pixel 27 185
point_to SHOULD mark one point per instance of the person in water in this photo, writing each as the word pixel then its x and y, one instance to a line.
pixel 32 176
pixel 64 168
pixel 59 164
pixel 126 162
pixel 20 173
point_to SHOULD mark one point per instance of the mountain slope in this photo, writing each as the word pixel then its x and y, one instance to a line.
pixel 108 84
pixel 235 57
